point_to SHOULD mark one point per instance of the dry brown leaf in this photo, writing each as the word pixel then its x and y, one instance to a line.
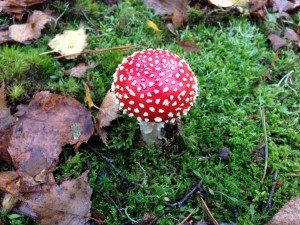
pixel 284 5
pixel 6 126
pixel 108 110
pixel 288 214
pixel 189 46
pixel 51 121
pixel 178 18
pixel 17 7
pixel 166 7
pixel 4 36
pixel 103 136
pixel 31 30
pixel 276 41
pixel 78 70
pixel 8 182
pixel 258 8
pixel 291 34
pixel 172 29
pixel 65 204
pixel 70 42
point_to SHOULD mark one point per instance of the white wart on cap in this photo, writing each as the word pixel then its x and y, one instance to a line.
pixel 155 85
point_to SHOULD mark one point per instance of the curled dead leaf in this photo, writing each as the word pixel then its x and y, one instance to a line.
pixel 31 30
pixel 276 41
pixel 77 71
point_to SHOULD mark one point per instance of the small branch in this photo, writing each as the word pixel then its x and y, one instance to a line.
pixel 159 216
pixel 266 143
pixel 110 163
pixel 115 204
pixel 214 221
pixel 186 197
pixel 89 21
pixel 272 190
pixel 292 175
pixel 186 218
pixel 97 50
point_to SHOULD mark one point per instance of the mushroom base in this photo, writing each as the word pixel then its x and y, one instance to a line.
pixel 152 132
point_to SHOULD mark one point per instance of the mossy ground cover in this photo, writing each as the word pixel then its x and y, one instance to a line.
pixel 236 79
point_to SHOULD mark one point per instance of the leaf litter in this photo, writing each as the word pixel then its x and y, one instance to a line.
pixel 34 147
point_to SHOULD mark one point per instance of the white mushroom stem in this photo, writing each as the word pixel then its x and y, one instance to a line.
pixel 152 132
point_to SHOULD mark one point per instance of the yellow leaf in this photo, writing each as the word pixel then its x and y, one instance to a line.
pixel 88 98
pixel 153 26
pixel 70 42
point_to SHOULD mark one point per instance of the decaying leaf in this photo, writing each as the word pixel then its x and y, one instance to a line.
pixel 165 7
pixel 276 41
pixel 4 36
pixel 77 71
pixel 8 182
pixel 288 214
pixel 172 29
pixel 153 26
pixel 189 46
pixel 17 7
pixel 9 201
pixel 31 30
pixel 70 203
pixel 291 34
pixel 6 126
pixel 179 18
pixel 108 110
pixel 45 127
pixel 70 42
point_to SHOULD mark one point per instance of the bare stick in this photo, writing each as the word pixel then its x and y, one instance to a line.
pixel 98 50
pixel 214 221
pixel 292 175
pixel 186 197
pixel 110 163
pixel 266 143
pixel 159 216
pixel 186 218
pixel 269 202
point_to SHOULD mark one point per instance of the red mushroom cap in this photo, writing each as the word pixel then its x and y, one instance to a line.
pixel 155 85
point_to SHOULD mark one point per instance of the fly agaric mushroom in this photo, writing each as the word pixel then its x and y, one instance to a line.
pixel 155 86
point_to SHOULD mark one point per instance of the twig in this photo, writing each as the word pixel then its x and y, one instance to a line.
pixel 186 197
pixel 159 216
pixel 117 196
pixel 186 218
pixel 266 143
pixel 110 163
pixel 272 190
pixel 214 221
pixel 292 175
pixel 97 50
pixel 115 204
pixel 89 21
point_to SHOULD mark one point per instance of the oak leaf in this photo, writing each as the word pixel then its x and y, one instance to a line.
pixel 70 42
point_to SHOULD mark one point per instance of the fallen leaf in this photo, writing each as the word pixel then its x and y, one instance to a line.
pixel 6 125
pixel 108 110
pixel 172 29
pixel 288 214
pixel 31 30
pixel 153 26
pixel 8 182
pixel 291 34
pixel 189 46
pixel 77 71
pixel 222 3
pixel 87 97
pixel 165 7
pixel 276 41
pixel 284 5
pixel 17 7
pixel 50 122
pixel 103 136
pixel 4 36
pixel 258 8
pixel 65 204
pixel 9 201
pixel 70 42
pixel 179 18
